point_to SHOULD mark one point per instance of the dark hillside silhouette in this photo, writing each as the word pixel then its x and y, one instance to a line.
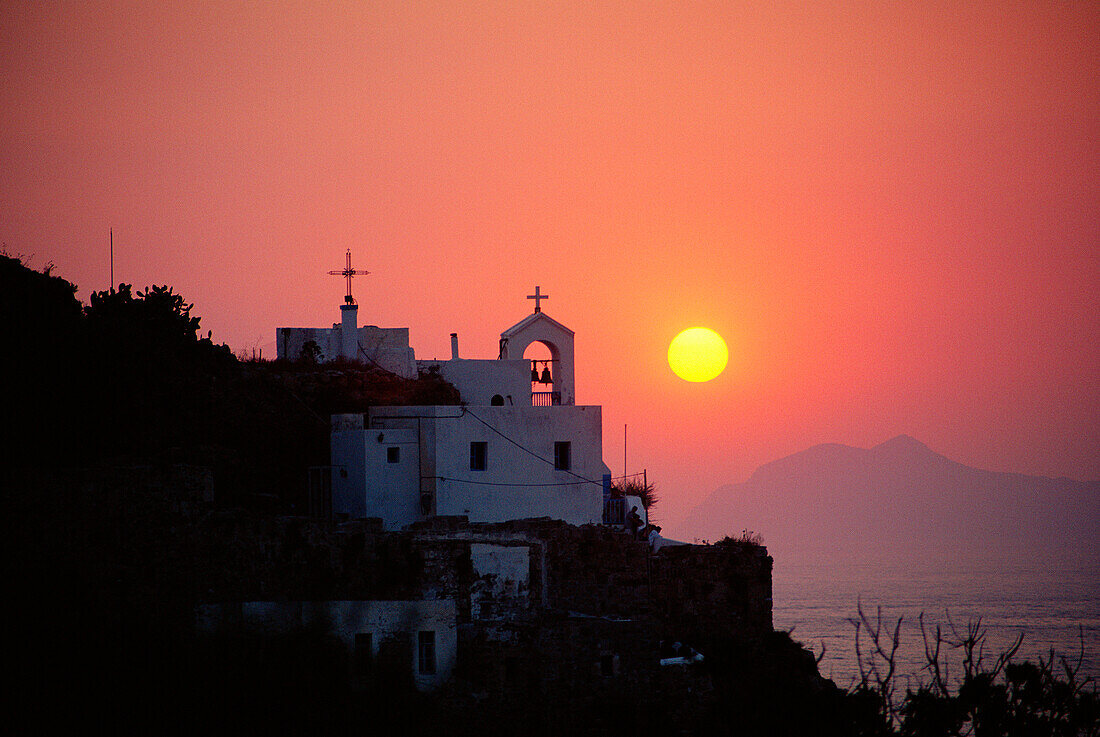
pixel 41 329
pixel 129 381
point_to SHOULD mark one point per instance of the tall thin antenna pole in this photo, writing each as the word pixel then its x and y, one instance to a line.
pixel 624 452
pixel 112 259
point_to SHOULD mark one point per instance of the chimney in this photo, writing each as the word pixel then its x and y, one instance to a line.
pixel 349 331
pixel 454 346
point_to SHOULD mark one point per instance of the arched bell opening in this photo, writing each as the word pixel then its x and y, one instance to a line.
pixel 542 334
pixel 545 365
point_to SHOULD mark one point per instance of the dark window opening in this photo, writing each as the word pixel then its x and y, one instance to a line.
pixel 607 665
pixel 511 672
pixel 364 653
pixel 497 401
pixel 426 653
pixel 562 461
pixel 615 512
pixel 393 455
pixel 479 451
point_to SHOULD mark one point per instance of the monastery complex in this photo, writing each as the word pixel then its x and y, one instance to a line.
pixel 480 547
pixel 509 452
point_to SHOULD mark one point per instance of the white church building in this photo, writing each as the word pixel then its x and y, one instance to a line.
pixel 385 348
pixel 508 452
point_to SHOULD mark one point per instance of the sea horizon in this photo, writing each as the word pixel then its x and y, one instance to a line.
pixel 1055 605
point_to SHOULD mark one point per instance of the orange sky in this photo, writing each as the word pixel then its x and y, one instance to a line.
pixel 889 210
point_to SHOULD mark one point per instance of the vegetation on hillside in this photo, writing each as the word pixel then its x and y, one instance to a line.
pixel 128 381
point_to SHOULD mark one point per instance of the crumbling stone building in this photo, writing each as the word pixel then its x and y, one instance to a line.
pixel 498 612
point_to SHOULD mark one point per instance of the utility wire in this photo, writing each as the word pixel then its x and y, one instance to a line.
pixel 497 483
pixel 529 451
pixel 466 410
pixel 525 449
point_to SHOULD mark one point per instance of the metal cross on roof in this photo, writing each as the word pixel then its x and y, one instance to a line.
pixel 538 298
pixel 349 273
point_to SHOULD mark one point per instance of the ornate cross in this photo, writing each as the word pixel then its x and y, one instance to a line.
pixel 538 298
pixel 349 273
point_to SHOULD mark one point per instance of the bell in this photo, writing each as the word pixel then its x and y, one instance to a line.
pixel 546 376
pixel 534 374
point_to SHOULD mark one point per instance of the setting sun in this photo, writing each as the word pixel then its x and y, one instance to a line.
pixel 698 354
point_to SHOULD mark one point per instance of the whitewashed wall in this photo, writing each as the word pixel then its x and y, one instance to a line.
pixel 347 446
pixel 514 484
pixel 387 348
pixel 391 490
pixel 478 380
pixel 289 342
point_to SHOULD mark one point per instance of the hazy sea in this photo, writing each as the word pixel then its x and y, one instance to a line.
pixel 1052 607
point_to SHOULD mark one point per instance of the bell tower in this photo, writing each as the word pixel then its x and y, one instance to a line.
pixel 540 327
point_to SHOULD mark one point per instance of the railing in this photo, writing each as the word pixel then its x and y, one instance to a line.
pixel 545 399
pixel 614 511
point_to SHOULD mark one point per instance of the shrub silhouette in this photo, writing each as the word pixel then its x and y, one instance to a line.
pixel 127 380
pixel 995 697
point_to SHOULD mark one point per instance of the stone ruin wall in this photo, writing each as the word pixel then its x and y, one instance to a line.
pixel 592 608
pixel 594 604
pixel 592 570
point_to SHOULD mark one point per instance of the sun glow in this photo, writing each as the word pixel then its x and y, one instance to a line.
pixel 698 354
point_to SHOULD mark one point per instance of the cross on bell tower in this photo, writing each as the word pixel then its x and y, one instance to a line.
pixel 349 272
pixel 538 297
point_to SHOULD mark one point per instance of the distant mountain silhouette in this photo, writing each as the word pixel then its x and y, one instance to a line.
pixel 901 500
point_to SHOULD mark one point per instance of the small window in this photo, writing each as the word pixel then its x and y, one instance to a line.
pixel 364 652
pixel 478 453
pixel 426 653
pixel 393 454
pixel 561 456
pixel 497 401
